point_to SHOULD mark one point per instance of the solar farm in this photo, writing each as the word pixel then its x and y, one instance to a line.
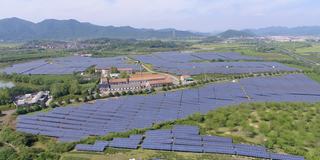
pixel 184 138
pixel 68 65
pixel 186 63
pixel 122 114
pixel 169 62
pixel 125 113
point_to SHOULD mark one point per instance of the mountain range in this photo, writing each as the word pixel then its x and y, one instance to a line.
pixel 285 31
pixel 15 29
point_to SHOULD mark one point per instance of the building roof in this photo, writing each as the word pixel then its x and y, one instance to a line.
pixel 125 69
pixel 119 69
pixel 120 80
pixel 146 77
pixel 130 85
pixel 164 81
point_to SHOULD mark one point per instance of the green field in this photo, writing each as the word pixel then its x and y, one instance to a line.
pixel 311 52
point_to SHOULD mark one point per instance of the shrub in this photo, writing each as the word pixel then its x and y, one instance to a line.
pixel 130 93
pixel 111 94
pixel 117 94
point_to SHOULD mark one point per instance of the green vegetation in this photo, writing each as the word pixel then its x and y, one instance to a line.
pixel 283 127
pixel 15 145
pixel 61 87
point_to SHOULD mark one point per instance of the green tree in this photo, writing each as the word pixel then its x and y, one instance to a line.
pixel 114 70
pixel 59 90
pixel 74 88
pixel 124 75
pixel 117 94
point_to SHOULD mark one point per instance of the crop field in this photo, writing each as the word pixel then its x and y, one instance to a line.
pixel 312 52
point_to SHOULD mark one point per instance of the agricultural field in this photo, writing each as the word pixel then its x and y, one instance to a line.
pixel 310 52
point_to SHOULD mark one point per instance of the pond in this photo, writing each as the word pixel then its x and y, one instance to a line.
pixel 6 84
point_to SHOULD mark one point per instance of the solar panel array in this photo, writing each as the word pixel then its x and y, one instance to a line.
pixel 126 113
pixel 183 138
pixel 68 65
pixel 99 146
pixel 184 63
pixel 129 143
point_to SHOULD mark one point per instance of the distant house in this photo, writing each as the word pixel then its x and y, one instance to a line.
pixel 114 75
pixel 185 79
pixel 39 98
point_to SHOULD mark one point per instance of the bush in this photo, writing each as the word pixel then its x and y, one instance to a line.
pixel 48 156
pixel 111 94
pixel 77 99
pixel 7 153
pixel 98 96
pixel 117 94
pixel 25 110
pixel 60 147
pixel 130 93
pixel 91 98
pixel 68 101
pixel 123 93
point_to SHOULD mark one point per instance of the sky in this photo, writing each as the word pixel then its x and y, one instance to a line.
pixel 192 15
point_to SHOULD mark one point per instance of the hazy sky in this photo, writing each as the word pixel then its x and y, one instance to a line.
pixel 196 15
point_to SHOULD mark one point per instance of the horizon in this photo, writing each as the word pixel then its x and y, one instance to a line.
pixel 192 15
pixel 216 31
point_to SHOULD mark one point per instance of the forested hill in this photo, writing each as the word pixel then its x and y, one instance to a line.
pixel 285 31
pixel 15 29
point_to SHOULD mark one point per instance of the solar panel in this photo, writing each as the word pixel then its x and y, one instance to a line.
pixel 187 148
pixel 185 63
pixel 187 142
pixel 155 146
pixel 87 147
pixel 274 156
pixel 219 149
pixel 68 65
pixel 216 139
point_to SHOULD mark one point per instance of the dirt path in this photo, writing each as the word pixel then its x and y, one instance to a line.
pixel 6 119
